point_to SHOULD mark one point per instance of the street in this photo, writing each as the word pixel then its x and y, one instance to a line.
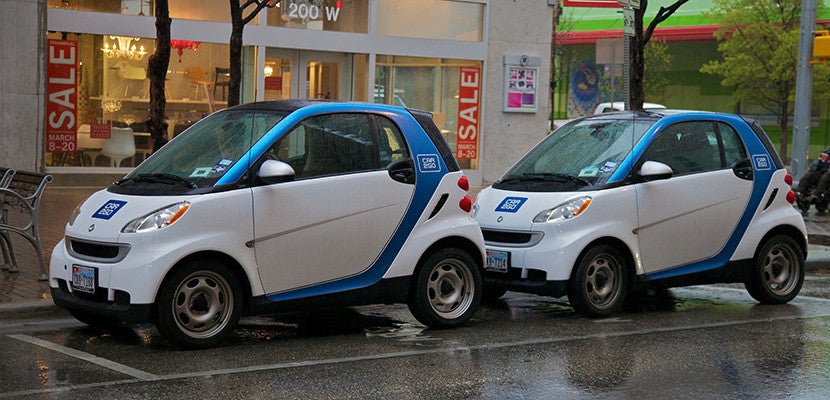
pixel 701 342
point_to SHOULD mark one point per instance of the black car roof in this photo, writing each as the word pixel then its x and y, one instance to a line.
pixel 283 105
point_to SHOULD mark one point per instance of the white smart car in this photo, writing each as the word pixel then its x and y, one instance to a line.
pixel 277 206
pixel 616 203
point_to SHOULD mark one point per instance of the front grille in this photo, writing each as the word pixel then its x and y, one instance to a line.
pixel 101 252
pixel 506 238
pixel 94 249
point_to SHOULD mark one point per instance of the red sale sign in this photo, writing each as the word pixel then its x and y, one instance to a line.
pixel 61 96
pixel 468 112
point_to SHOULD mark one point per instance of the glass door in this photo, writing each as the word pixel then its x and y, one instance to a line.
pixel 327 75
pixel 298 74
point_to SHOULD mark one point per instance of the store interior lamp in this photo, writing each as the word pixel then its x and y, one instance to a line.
pixel 122 48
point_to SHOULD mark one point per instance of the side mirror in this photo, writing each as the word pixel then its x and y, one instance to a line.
pixel 273 171
pixel 653 170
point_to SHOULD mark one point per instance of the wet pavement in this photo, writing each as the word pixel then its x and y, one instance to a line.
pixel 709 342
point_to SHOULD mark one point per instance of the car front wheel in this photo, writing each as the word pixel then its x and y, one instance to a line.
pixel 199 304
pixel 599 283
pixel 778 271
pixel 447 289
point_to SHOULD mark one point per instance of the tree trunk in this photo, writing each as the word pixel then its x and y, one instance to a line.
pixel 235 81
pixel 157 66
pixel 636 86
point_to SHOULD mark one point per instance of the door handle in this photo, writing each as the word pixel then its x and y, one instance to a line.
pixel 403 171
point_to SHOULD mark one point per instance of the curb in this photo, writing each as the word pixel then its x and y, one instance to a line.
pixel 31 310
pixel 818 239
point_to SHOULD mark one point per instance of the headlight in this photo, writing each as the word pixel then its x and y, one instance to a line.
pixel 564 211
pixel 157 219
pixel 75 213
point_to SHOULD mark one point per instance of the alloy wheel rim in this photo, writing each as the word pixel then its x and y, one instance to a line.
pixel 603 281
pixel 202 304
pixel 780 270
pixel 450 289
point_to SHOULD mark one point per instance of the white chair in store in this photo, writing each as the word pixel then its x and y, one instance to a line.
pixel 89 146
pixel 134 77
pixel 119 146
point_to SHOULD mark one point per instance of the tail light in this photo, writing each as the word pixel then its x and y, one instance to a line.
pixel 464 183
pixel 788 179
pixel 466 203
pixel 791 197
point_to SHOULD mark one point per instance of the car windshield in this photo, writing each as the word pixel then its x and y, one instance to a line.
pixel 578 155
pixel 203 153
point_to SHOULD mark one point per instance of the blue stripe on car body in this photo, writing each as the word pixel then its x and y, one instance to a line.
pixel 426 184
pixel 761 181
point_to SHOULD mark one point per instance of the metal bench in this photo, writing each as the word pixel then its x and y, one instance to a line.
pixel 5 176
pixel 19 201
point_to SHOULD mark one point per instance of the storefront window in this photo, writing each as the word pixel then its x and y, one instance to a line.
pixel 322 15
pixel 199 10
pixel 113 96
pixel 431 84
pixel 431 19
pixel 126 7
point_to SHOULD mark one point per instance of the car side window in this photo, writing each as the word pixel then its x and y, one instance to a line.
pixel 342 143
pixel 687 147
pixel 391 145
pixel 733 147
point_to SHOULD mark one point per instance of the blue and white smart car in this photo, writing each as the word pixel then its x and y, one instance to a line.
pixel 613 204
pixel 277 206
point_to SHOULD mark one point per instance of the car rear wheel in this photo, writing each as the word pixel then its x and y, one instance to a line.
pixel 447 289
pixel 199 304
pixel 778 271
pixel 599 283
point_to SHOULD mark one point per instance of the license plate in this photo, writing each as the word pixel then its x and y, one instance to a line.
pixel 83 279
pixel 497 261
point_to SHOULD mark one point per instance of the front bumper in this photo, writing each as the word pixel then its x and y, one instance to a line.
pixel 119 309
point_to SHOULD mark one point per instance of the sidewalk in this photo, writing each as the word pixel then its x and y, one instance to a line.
pixel 23 291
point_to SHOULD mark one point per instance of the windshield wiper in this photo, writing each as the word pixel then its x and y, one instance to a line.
pixel 552 177
pixel 159 178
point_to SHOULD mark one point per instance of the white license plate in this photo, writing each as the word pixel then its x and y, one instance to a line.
pixel 83 279
pixel 497 261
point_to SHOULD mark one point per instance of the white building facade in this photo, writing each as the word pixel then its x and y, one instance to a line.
pixel 77 68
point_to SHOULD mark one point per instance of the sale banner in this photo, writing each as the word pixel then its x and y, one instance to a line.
pixel 469 89
pixel 61 96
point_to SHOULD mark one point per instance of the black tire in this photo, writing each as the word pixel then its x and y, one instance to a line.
pixel 446 291
pixel 94 321
pixel 199 304
pixel 599 282
pixel 778 271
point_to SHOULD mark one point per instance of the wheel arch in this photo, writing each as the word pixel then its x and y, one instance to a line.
pixel 619 245
pixel 458 242
pixel 225 259
pixel 786 230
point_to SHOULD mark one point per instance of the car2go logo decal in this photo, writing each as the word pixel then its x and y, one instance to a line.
pixel 428 163
pixel 109 209
pixel 511 204
pixel 762 162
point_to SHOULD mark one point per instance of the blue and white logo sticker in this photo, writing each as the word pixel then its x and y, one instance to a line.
pixel 762 162
pixel 109 209
pixel 511 204
pixel 428 163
